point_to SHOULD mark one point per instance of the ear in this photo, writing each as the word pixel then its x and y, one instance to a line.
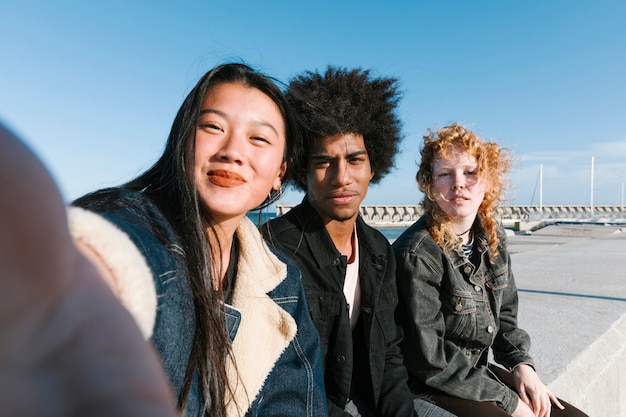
pixel 279 178
pixel 372 175
pixel 301 178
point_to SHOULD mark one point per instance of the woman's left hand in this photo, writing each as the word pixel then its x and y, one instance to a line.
pixel 533 392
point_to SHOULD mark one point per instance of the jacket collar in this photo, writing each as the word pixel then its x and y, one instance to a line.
pixel 481 246
pixel 315 234
pixel 373 255
pixel 265 329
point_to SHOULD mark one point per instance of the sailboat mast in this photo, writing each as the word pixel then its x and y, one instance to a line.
pixel 591 201
pixel 540 191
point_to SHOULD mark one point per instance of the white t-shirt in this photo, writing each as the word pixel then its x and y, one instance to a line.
pixel 352 285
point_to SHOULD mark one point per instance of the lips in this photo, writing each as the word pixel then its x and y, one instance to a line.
pixel 342 198
pixel 456 199
pixel 225 178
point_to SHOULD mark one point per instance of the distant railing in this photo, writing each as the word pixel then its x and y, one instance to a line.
pixel 566 212
pixel 401 214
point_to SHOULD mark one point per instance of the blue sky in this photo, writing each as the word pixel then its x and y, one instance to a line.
pixel 94 86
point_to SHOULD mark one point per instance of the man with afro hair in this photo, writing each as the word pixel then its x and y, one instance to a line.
pixel 351 134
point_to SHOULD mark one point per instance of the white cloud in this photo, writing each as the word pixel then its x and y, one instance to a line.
pixel 609 149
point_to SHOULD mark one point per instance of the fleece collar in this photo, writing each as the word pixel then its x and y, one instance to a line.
pixel 266 329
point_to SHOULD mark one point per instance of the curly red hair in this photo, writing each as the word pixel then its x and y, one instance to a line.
pixel 493 163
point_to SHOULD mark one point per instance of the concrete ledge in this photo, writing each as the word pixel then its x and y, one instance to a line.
pixel 573 305
pixel 596 380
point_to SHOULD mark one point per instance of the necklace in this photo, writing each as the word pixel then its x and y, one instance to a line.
pixel 461 234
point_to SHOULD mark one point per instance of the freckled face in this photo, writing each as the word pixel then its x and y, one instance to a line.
pixel 338 176
pixel 240 147
pixel 457 185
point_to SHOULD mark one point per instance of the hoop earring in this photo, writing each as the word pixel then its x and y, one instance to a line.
pixel 275 195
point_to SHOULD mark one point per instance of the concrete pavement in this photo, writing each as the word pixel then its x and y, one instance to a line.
pixel 572 284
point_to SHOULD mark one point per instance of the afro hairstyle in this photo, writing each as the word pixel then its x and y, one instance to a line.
pixel 346 101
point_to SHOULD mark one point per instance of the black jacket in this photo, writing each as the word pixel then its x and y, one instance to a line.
pixel 301 235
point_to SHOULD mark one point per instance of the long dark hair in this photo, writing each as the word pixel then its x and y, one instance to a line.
pixel 170 186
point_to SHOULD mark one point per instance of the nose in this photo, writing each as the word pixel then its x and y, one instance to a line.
pixel 232 148
pixel 459 182
pixel 341 175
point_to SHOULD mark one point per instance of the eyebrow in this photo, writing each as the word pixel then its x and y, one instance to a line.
pixel 326 157
pixel 255 122
pixel 456 164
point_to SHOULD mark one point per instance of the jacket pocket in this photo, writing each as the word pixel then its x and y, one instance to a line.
pixel 498 279
pixel 325 307
pixel 497 282
pixel 323 304
pixel 459 309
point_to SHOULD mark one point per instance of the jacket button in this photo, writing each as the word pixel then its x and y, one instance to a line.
pixel 489 329
pixel 335 262
pixel 477 288
pixel 467 269
pixel 340 359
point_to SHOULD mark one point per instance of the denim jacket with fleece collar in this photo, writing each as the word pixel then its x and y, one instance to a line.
pixel 274 341
pixel 452 312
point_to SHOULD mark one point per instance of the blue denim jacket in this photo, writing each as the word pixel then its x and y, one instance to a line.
pixel 453 312
pixel 292 384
